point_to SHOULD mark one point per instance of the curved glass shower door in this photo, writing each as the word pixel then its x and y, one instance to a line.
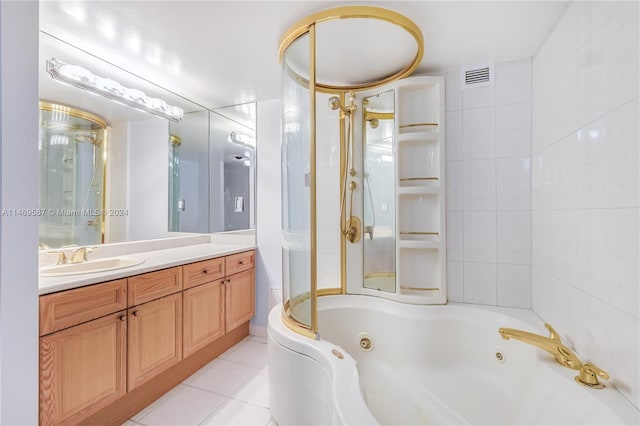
pixel 72 167
pixel 297 188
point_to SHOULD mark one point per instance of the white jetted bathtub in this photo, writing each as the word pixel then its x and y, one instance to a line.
pixel 382 362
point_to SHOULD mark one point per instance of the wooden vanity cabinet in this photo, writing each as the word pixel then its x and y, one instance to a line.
pixel 240 298
pixel 203 314
pixel 82 369
pixel 108 349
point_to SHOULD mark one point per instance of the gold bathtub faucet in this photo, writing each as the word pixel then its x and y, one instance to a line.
pixel 588 373
pixel 551 344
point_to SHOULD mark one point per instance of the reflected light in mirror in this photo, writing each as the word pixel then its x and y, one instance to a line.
pixel 84 79
pixel 244 140
pixel 107 29
pixel 76 10
pixel 133 42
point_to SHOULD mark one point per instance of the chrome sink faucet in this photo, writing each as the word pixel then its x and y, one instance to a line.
pixel 80 255
pixel 551 344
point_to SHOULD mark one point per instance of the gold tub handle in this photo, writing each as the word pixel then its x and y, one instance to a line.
pixel 589 376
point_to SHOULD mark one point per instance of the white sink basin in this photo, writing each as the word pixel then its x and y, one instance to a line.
pixel 90 266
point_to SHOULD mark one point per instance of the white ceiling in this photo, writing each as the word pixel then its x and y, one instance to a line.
pixel 221 53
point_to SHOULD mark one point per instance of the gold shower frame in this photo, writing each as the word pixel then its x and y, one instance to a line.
pixel 301 28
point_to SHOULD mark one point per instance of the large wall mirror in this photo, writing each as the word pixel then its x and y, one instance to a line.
pixel 111 172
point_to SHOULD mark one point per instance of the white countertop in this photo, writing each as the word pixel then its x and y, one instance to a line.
pixel 153 261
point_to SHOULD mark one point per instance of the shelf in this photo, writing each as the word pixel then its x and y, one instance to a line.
pixel 418 244
pixel 418 136
pixel 420 269
pixel 418 127
pixel 422 292
pixel 419 160
pixel 419 189
pixel 419 108
pixel 432 236
pixel 418 213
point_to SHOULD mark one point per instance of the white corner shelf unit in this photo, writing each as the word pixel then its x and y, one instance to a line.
pixel 420 190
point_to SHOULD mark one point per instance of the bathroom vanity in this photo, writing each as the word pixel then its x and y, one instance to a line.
pixel 108 348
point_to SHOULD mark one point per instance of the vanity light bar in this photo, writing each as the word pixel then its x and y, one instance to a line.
pixel 240 139
pixel 111 89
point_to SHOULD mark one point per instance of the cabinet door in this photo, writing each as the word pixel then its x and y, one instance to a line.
pixel 154 285
pixel 155 338
pixel 240 300
pixel 203 316
pixel 82 369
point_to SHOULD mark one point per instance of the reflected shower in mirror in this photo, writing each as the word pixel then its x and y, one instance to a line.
pixel 72 147
pixel 379 192
pixel 212 170
pixel 233 150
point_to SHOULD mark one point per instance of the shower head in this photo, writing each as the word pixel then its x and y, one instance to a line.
pixel 334 103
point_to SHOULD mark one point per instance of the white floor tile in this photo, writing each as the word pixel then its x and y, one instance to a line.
pixel 256 390
pixel 130 423
pixel 248 352
pixel 137 418
pixel 187 406
pixel 233 412
pixel 224 377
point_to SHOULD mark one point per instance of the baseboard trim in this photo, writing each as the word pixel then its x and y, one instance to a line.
pixel 257 330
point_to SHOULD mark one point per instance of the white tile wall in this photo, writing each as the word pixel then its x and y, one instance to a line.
pixel 480 236
pixel 514 285
pixel 513 130
pixel 479 182
pixel 514 183
pixel 455 281
pixel 514 237
pixel 586 185
pixel 489 188
pixel 480 283
pixel 478 132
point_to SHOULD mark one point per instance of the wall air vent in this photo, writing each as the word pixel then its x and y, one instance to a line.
pixel 477 76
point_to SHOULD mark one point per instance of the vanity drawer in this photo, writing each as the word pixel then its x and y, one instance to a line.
pixel 151 286
pixel 202 272
pixel 72 307
pixel 240 262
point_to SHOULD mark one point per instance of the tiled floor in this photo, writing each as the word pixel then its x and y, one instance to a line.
pixel 230 390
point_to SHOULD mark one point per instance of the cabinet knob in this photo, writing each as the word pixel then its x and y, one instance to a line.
pixel 241 262
pixel 136 313
pixel 123 318
pixel 206 271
